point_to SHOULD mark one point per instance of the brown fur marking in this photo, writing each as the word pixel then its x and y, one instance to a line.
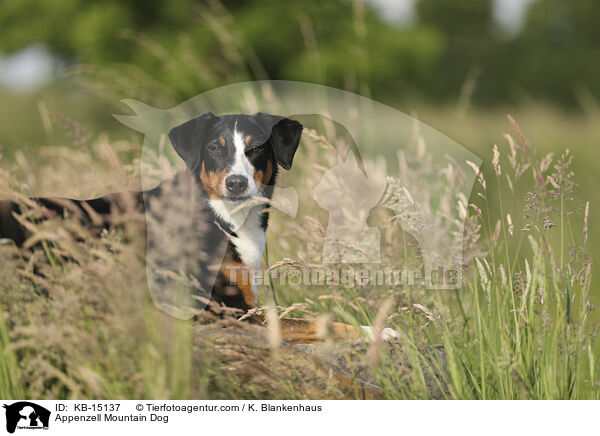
pixel 263 177
pixel 238 273
pixel 305 331
pixel 213 182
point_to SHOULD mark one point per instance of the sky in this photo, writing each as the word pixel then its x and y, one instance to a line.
pixel 33 66
pixel 27 69
pixel 508 13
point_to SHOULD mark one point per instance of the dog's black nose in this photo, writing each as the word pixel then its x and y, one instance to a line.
pixel 236 184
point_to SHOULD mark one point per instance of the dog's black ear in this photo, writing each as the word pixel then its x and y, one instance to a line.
pixel 187 138
pixel 285 136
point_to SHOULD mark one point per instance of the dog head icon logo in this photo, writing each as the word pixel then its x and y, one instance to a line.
pixel 26 415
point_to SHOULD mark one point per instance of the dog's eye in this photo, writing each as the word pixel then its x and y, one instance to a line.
pixel 256 149
pixel 215 148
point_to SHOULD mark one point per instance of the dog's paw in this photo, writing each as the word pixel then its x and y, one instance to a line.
pixel 386 334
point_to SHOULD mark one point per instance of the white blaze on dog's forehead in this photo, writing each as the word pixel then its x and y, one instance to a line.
pixel 241 164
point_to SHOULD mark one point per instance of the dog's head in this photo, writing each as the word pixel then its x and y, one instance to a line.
pixel 236 156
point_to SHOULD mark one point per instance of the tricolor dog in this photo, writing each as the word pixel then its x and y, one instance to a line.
pixel 236 158
pixel 232 159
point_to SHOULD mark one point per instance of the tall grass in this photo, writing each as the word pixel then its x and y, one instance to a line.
pixel 10 387
pixel 76 320
pixel 521 326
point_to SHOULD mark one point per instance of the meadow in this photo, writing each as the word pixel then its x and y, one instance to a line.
pixel 77 320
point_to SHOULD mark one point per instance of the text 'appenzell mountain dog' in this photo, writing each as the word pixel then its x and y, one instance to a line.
pixel 195 223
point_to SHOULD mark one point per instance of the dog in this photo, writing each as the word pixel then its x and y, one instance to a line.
pixel 230 160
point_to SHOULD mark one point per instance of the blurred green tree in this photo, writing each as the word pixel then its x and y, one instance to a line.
pixel 467 29
pixel 164 52
pixel 190 46
pixel 88 31
pixel 558 53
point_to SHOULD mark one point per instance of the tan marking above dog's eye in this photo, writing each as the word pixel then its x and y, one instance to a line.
pixel 248 139
pixel 222 141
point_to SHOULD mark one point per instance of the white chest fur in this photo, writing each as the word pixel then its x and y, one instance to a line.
pixel 250 238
